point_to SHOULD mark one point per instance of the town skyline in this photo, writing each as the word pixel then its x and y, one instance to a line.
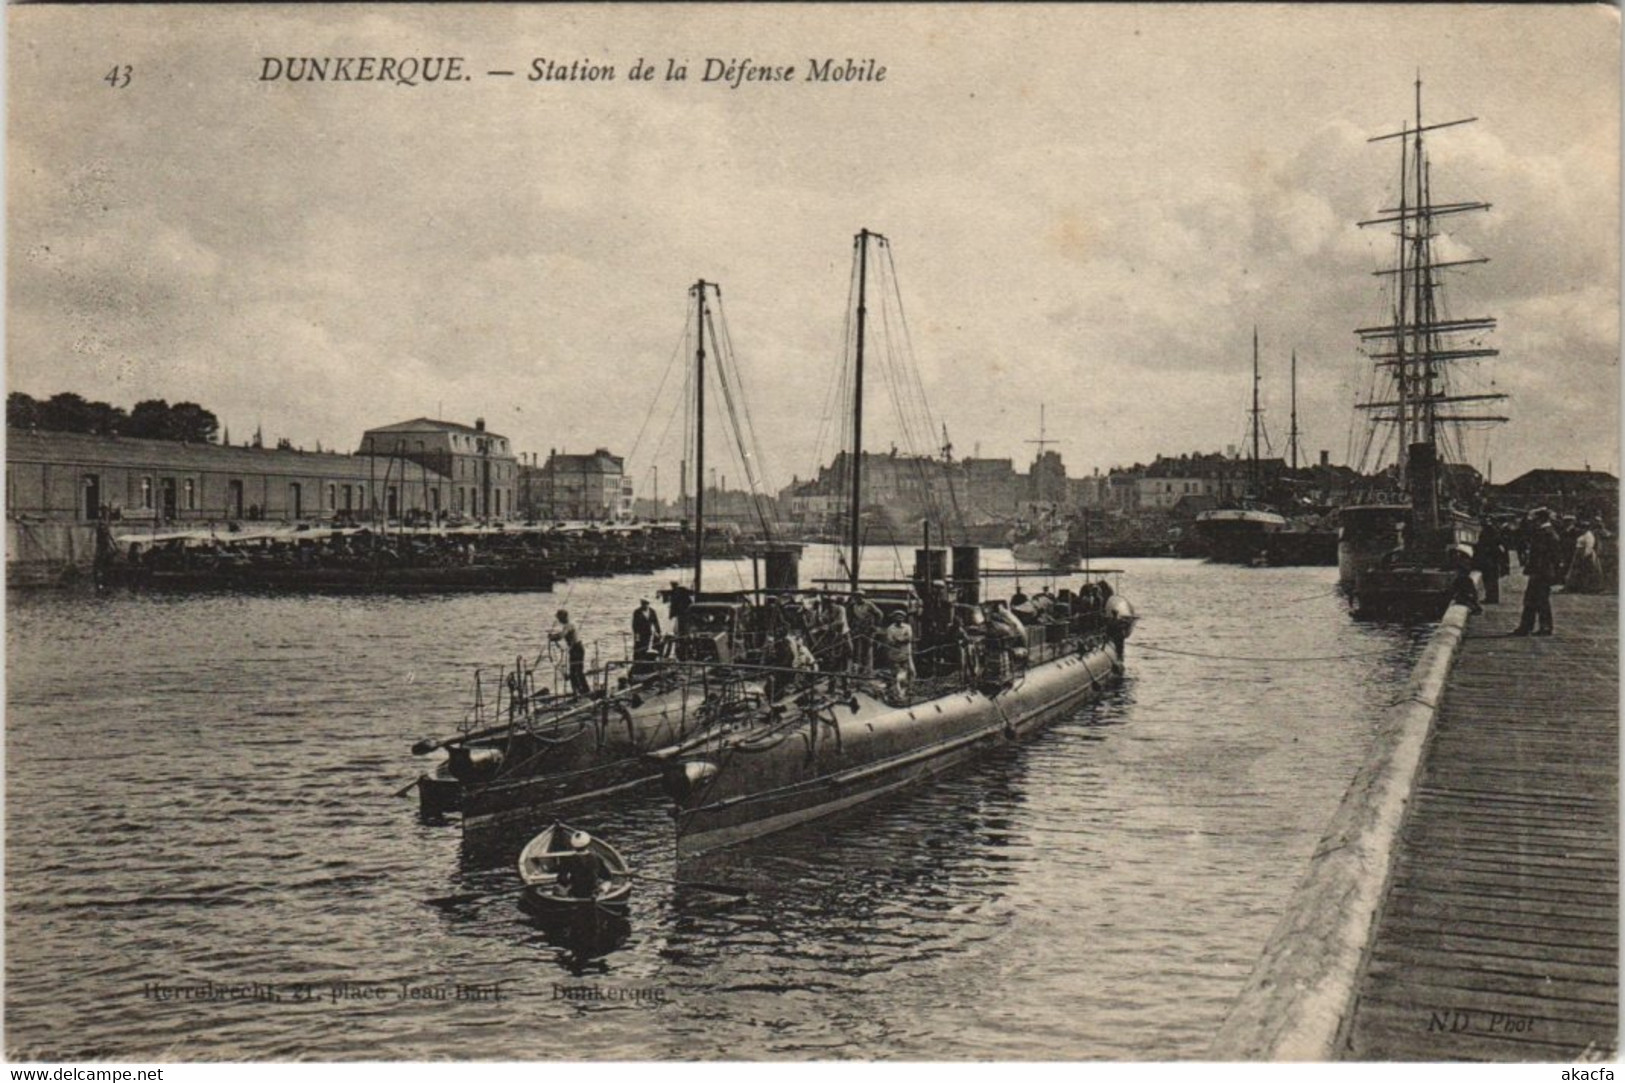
pixel 1091 210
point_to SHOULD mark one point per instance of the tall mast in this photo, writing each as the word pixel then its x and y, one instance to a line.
pixel 1253 472
pixel 699 430
pixel 1415 343
pixel 1292 438
pixel 857 407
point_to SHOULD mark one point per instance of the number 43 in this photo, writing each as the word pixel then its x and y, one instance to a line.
pixel 119 77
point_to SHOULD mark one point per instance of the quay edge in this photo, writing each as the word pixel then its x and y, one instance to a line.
pixel 1298 998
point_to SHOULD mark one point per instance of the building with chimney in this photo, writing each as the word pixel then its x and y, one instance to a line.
pixel 592 487
pixel 477 470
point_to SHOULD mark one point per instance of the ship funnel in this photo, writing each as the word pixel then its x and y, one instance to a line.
pixel 1422 472
pixel 783 568
pixel 968 574
pixel 929 566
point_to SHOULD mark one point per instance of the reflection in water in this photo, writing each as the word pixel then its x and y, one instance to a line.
pixel 1101 891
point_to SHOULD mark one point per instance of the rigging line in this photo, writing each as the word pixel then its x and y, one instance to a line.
pixel 758 484
pixel 671 419
pixel 908 344
pixel 733 390
pixel 655 399
pixel 1262 658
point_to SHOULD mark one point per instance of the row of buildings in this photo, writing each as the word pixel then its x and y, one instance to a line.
pixel 446 471
pixel 976 490
pixel 423 468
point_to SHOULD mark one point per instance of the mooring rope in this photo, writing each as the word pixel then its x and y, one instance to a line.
pixel 1265 658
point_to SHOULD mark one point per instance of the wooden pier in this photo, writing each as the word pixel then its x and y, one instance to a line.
pixel 1498 937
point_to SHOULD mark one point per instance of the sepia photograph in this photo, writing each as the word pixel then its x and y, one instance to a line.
pixel 813 532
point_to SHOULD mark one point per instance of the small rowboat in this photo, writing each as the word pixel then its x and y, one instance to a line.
pixel 541 862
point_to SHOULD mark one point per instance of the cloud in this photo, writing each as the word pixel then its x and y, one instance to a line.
pixel 1089 208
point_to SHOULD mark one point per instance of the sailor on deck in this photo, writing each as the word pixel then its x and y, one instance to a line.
pixel 865 627
pixel 645 627
pixel 566 633
pixel 900 652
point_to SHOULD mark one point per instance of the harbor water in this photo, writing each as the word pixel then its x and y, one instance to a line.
pixel 207 856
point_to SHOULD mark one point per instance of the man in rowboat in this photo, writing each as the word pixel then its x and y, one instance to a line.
pixel 581 871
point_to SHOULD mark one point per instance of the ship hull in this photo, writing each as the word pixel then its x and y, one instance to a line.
pixel 1403 593
pixel 598 753
pixel 1366 533
pixel 1237 535
pixel 1301 547
pixel 1417 582
pixel 875 751
pixel 1049 554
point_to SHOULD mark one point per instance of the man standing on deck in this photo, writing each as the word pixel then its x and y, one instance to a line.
pixel 645 628
pixel 566 633
pixel 900 654
pixel 1541 568
pixel 865 627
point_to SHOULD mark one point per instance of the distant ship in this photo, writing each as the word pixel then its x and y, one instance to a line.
pixel 1238 535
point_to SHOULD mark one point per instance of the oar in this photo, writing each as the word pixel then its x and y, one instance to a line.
pixel 408 788
pixel 718 889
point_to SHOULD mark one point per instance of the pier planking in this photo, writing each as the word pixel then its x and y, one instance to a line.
pixel 1498 938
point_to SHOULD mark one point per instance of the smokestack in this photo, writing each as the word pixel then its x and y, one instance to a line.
pixel 479 424
pixel 1325 457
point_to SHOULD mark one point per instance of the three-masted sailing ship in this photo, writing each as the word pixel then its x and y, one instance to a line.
pixel 1401 555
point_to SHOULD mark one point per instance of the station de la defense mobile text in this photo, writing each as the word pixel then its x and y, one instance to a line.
pixel 730 72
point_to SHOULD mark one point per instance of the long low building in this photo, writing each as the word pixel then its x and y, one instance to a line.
pixel 74 478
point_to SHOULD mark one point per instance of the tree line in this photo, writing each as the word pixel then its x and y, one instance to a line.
pixel 150 419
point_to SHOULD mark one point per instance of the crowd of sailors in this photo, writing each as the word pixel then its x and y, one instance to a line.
pixel 912 643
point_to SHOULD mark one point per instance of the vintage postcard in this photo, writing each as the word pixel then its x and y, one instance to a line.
pixel 903 532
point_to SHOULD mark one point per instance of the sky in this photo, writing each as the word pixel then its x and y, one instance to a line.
pixel 1089 208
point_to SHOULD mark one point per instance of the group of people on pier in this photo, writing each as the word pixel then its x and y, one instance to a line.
pixel 1570 553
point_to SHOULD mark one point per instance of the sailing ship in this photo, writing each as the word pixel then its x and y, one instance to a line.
pixel 1400 554
pixel 1310 536
pixel 530 748
pixel 1238 535
pixel 961 682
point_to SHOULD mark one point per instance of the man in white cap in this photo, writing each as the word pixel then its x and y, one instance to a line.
pixel 581 871
pixel 900 652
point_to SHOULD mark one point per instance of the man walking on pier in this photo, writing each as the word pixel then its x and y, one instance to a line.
pixel 1542 571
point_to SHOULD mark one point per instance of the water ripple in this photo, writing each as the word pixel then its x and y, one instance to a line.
pixel 213 808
